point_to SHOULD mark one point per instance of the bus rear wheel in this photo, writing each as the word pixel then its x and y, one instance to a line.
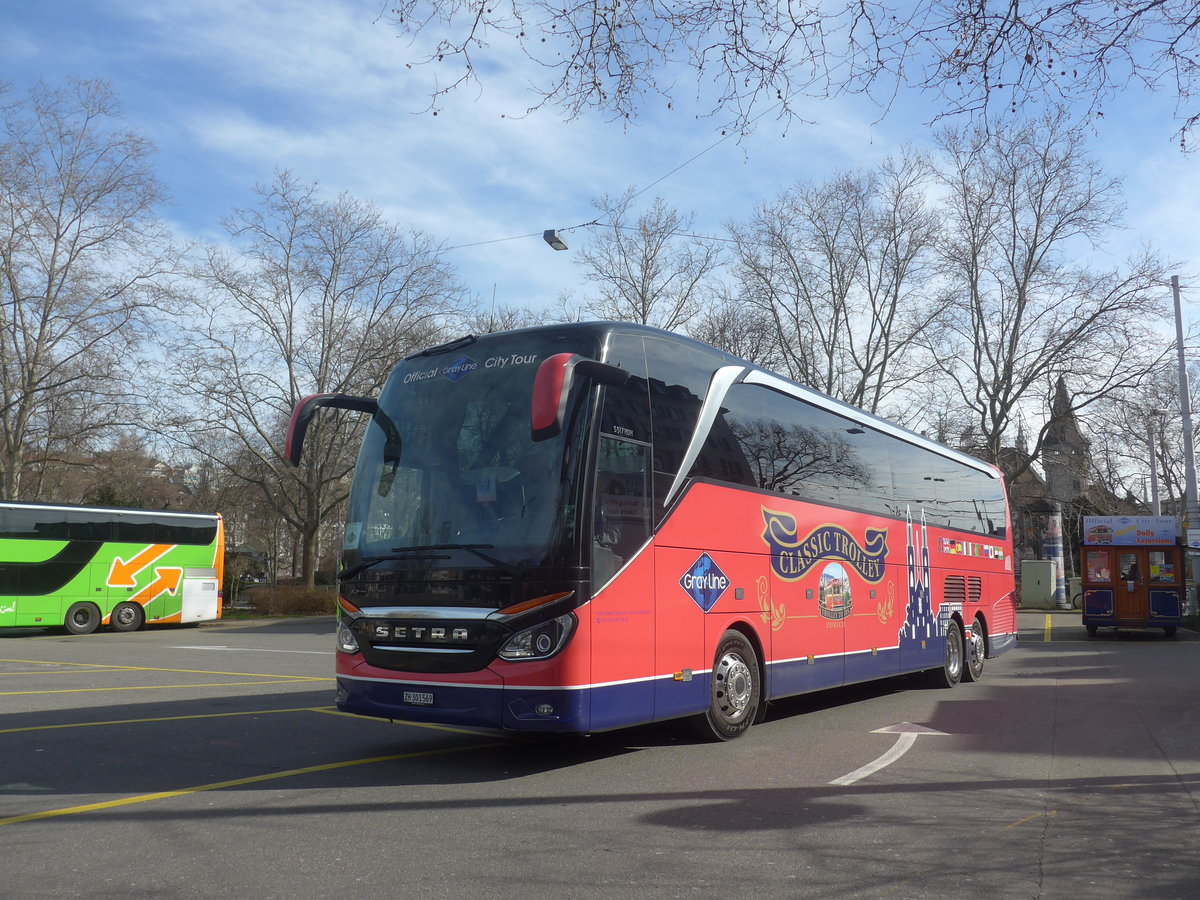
pixel 127 616
pixel 976 652
pixel 950 672
pixel 735 689
pixel 82 618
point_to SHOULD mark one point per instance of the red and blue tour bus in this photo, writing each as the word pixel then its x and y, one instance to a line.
pixel 588 526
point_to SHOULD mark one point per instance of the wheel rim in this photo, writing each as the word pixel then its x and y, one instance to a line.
pixel 81 617
pixel 978 649
pixel 953 655
pixel 733 686
pixel 126 616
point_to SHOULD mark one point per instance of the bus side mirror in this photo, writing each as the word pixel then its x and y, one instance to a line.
pixel 552 386
pixel 304 411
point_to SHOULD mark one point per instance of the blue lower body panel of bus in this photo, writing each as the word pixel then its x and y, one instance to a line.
pixel 520 709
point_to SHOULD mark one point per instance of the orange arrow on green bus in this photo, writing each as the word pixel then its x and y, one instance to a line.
pixel 123 574
pixel 164 580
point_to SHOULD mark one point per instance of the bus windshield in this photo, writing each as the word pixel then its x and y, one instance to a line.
pixel 448 462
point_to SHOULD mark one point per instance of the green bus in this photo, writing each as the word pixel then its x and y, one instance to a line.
pixel 80 567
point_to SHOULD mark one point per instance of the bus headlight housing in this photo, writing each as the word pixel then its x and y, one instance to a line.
pixel 541 641
pixel 346 641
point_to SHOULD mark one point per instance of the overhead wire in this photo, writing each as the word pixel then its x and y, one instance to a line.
pixel 660 179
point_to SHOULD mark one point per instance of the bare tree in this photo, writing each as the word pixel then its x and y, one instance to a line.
pixel 82 258
pixel 616 56
pixel 322 296
pixel 980 56
pixel 1141 428
pixel 651 271
pixel 502 318
pixel 738 328
pixel 566 307
pixel 124 473
pixel 609 55
pixel 841 269
pixel 1021 207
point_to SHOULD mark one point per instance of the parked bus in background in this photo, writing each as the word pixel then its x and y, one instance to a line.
pixel 81 567
pixel 582 527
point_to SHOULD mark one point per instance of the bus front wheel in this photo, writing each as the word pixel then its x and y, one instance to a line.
pixel 82 618
pixel 950 672
pixel 127 616
pixel 735 689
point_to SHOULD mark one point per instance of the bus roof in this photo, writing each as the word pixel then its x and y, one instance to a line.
pixel 105 510
pixel 600 330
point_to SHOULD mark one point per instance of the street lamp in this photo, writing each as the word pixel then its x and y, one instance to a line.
pixel 550 236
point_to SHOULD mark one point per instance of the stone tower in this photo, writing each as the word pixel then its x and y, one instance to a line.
pixel 1066 453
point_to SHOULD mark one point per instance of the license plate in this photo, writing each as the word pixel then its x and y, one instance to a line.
pixel 418 698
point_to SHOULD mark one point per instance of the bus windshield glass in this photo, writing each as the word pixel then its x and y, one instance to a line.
pixel 449 463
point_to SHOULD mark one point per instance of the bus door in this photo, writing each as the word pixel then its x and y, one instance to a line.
pixel 621 611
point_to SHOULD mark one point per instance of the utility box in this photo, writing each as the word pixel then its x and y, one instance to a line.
pixel 1039 581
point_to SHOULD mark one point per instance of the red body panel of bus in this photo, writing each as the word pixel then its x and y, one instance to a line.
pixel 827 597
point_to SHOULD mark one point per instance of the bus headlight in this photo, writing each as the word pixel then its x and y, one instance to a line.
pixel 540 641
pixel 346 641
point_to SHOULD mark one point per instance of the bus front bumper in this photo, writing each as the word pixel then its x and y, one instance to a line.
pixel 493 706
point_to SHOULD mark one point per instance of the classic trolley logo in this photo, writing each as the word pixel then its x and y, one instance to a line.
pixel 704 582
pixel 792 557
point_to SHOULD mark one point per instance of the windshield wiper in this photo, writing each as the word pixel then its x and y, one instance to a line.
pixel 367 563
pixel 402 553
pixel 470 548
pixel 447 347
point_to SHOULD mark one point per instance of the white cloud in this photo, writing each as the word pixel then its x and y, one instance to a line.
pixel 233 90
pixel 17 44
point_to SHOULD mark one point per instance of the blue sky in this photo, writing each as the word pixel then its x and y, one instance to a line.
pixel 231 91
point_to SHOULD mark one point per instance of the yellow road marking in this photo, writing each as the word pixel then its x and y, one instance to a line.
pixel 253 712
pixel 1046 635
pixel 1041 815
pixel 334 711
pixel 162 687
pixel 43 672
pixel 236 782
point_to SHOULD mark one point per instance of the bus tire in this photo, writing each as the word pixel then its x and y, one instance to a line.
pixel 976 652
pixel 735 689
pixel 82 618
pixel 127 616
pixel 951 670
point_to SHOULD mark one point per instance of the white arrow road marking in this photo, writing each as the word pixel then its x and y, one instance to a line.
pixel 908 736
pixel 253 650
